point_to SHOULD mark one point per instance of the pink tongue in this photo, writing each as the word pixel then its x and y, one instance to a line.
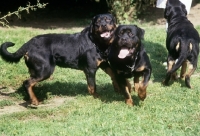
pixel 123 53
pixel 106 34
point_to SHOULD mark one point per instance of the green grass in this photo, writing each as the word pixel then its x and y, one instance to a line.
pixel 167 111
pixel 5 103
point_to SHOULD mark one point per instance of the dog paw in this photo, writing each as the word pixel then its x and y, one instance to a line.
pixel 35 102
pixel 129 102
pixel 95 95
pixel 165 83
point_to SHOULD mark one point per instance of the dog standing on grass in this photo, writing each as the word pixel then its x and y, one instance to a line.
pixel 83 51
pixel 128 59
pixel 182 42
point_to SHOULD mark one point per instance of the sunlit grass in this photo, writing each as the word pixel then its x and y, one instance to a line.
pixel 167 111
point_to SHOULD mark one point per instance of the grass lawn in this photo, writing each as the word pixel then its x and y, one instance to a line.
pixel 167 111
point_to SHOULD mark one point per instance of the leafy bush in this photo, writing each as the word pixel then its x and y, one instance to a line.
pixel 127 11
pixel 4 21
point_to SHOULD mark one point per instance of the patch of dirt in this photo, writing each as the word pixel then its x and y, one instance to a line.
pixel 21 105
pixel 194 15
pixel 155 16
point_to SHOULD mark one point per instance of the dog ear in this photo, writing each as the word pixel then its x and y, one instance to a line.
pixel 167 12
pixel 183 7
pixel 114 20
pixel 92 23
pixel 141 32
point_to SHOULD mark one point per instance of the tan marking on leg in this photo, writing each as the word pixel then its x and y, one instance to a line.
pixel 114 81
pixel 33 98
pixel 183 70
pixel 177 46
pixel 174 76
pixel 129 100
pixel 142 90
pixel 92 92
pixel 191 70
pixel 136 84
pixel 128 85
pixel 170 65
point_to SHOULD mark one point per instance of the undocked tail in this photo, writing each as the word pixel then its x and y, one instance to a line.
pixel 12 57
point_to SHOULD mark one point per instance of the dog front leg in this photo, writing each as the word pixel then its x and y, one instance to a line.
pixel 107 69
pixel 125 89
pixel 143 85
pixel 91 82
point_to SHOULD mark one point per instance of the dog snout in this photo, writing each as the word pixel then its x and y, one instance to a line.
pixel 104 26
pixel 124 39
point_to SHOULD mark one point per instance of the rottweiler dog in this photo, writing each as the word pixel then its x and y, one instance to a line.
pixel 83 51
pixel 128 58
pixel 182 43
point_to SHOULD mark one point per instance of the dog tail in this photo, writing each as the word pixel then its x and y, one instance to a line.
pixel 12 57
pixel 185 48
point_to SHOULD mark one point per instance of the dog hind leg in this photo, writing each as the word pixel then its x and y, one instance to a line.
pixel 183 70
pixel 39 70
pixel 29 84
pixel 170 64
pixel 191 69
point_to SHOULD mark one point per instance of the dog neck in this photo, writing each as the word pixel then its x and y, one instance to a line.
pixel 134 62
pixel 102 48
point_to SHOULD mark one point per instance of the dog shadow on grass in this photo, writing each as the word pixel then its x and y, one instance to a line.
pixel 45 91
pixel 158 56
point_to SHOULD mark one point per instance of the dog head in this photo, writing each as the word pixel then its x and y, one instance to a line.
pixel 128 40
pixel 174 8
pixel 102 28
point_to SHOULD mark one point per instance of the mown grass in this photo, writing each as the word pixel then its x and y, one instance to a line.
pixel 167 111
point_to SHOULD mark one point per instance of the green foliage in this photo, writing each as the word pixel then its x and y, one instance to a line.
pixel 4 21
pixel 126 11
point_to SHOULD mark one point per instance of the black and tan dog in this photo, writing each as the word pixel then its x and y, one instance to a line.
pixel 128 58
pixel 84 51
pixel 182 42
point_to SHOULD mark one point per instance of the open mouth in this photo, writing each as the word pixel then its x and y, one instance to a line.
pixel 106 34
pixel 125 52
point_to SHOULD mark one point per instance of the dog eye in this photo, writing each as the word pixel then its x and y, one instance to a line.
pixel 98 20
pixel 108 20
pixel 130 34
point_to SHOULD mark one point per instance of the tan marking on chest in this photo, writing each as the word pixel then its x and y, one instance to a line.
pixel 141 68
pixel 99 62
pixel 26 56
